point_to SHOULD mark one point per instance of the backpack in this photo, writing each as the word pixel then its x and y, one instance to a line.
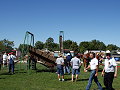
pixel 68 58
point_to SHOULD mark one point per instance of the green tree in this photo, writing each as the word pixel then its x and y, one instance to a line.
pixel 50 40
pixel 6 45
pixel 50 45
pixel 91 45
pixel 112 47
pixel 39 45
pixel 55 47
pixel 74 46
pixel 22 46
pixel 83 46
pixel 97 45
pixel 67 44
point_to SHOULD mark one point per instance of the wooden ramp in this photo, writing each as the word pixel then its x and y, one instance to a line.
pixel 45 58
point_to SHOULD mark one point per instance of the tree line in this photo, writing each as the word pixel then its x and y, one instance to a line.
pixel 72 45
pixel 7 46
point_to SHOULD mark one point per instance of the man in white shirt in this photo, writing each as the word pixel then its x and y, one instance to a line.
pixel 109 71
pixel 4 59
pixel 75 63
pixel 94 72
pixel 60 63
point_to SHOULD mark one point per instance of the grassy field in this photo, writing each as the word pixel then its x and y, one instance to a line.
pixel 43 79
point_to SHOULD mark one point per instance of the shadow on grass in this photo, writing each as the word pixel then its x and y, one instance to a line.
pixel 69 79
pixel 86 79
pixel 21 72
pixel 6 73
pixel 16 72
pixel 100 70
pixel 2 78
pixel 107 89
pixel 46 70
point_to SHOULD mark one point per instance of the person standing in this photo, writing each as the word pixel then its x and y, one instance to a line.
pixel 94 72
pixel 28 59
pixel 4 59
pixel 11 59
pixel 67 65
pixel 109 71
pixel 60 63
pixel 0 60
pixel 75 63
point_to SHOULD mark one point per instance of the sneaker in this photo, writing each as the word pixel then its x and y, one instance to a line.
pixel 63 80
pixel 75 80
pixel 59 79
pixel 72 81
pixel 85 70
pixel 13 73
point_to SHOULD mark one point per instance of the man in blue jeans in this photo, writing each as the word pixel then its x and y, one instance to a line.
pixel 60 63
pixel 11 59
pixel 94 72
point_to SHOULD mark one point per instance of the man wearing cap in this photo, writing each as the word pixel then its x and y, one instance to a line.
pixel 11 59
pixel 60 63
pixel 109 71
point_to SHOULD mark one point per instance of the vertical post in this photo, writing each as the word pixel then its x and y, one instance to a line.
pixel 61 39
pixel 28 41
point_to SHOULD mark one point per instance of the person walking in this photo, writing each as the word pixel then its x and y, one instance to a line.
pixel 75 63
pixel 109 71
pixel 60 63
pixel 11 59
pixel 94 72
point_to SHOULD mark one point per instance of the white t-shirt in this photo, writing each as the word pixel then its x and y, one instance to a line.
pixel 11 56
pixel 110 65
pixel 75 63
pixel 93 63
pixel 59 60
pixel 4 57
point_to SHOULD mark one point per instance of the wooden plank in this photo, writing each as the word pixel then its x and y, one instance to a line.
pixel 48 60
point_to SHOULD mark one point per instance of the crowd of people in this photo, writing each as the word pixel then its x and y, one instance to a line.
pixel 8 61
pixel 109 71
pixel 68 63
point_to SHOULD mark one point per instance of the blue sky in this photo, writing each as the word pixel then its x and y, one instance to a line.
pixel 81 20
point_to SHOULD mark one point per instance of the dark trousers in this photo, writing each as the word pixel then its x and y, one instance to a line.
pixel 28 64
pixel 11 67
pixel 0 66
pixel 108 80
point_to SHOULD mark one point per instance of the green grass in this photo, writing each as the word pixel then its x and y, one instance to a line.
pixel 46 80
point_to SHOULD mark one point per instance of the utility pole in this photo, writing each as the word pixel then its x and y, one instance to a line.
pixel 61 39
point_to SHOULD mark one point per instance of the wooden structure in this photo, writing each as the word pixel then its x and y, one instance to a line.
pixel 45 58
